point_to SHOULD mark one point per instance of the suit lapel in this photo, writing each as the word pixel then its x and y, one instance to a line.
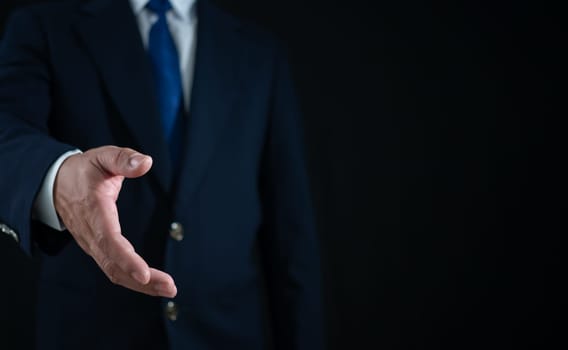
pixel 214 93
pixel 110 33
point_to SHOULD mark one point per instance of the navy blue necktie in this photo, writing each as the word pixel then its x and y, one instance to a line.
pixel 167 77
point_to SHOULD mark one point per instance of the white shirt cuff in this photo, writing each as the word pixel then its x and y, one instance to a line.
pixel 44 208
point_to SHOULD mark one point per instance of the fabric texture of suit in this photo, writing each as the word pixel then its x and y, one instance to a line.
pixel 76 75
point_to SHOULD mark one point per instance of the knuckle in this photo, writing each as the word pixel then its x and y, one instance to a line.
pixel 122 155
pixel 112 274
pixel 107 148
pixel 110 270
pixel 100 240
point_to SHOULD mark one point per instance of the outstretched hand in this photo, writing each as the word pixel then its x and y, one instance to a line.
pixel 85 193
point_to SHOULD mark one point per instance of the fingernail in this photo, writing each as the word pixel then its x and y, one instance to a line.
pixel 135 160
pixel 139 277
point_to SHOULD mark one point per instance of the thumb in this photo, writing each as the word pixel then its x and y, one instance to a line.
pixel 123 161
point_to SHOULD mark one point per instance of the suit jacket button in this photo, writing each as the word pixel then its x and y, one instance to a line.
pixel 176 231
pixel 171 311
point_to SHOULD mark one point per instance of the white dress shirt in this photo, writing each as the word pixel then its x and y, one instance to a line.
pixel 182 22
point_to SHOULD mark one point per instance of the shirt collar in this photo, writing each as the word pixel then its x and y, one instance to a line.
pixel 181 8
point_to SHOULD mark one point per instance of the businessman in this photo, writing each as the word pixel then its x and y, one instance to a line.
pixel 151 154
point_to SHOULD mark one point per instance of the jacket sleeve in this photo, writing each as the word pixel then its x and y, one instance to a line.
pixel 289 241
pixel 26 149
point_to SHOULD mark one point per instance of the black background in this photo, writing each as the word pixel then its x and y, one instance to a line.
pixel 424 136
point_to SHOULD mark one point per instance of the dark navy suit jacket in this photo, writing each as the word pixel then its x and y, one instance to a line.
pixel 76 75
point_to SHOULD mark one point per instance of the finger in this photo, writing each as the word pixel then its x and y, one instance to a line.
pixel 112 247
pixel 116 256
pixel 115 273
pixel 118 250
pixel 123 161
pixel 163 283
pixel 160 284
